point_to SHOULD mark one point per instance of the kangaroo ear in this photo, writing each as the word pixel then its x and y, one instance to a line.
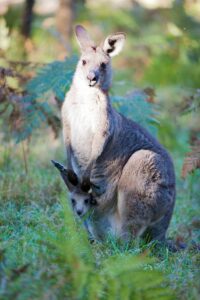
pixel 83 37
pixel 86 185
pixel 69 177
pixel 114 43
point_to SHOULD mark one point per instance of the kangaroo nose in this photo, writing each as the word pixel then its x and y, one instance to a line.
pixel 92 77
pixel 79 212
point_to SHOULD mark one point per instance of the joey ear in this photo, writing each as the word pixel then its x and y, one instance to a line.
pixel 69 177
pixel 83 37
pixel 86 185
pixel 114 43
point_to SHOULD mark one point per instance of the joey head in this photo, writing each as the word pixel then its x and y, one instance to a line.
pixel 80 194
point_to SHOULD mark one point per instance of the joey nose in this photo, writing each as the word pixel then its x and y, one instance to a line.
pixel 79 212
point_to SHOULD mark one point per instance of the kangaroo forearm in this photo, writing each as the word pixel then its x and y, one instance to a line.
pixel 69 157
pixel 66 132
pixel 99 143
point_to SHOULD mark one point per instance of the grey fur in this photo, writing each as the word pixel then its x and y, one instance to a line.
pixel 133 172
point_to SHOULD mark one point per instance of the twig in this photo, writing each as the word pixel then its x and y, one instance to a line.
pixel 24 157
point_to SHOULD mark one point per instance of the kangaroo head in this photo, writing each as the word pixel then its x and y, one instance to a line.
pixel 80 193
pixel 94 66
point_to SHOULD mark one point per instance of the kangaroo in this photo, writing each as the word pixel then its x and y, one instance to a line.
pixel 131 174
pixel 80 195
pixel 83 204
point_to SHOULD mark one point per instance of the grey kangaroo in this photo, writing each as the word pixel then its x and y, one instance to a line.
pixel 132 175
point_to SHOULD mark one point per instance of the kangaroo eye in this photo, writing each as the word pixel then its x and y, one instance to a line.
pixel 84 62
pixel 93 201
pixel 103 66
pixel 73 202
pixel 86 201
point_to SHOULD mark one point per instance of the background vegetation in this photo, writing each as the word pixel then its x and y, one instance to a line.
pixel 44 253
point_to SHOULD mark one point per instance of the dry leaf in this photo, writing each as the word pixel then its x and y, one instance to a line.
pixel 150 92
pixel 192 160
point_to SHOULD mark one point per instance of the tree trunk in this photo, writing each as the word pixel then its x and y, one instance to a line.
pixel 64 20
pixel 27 18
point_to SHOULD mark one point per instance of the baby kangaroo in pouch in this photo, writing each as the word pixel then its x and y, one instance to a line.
pixel 80 194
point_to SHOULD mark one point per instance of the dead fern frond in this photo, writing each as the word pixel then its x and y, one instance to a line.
pixel 192 160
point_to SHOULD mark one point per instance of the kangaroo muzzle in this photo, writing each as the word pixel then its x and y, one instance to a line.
pixel 93 78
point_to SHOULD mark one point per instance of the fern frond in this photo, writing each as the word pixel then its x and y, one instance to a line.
pixel 136 107
pixel 52 78
pixel 55 77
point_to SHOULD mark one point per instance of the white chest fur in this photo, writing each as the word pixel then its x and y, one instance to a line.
pixel 85 113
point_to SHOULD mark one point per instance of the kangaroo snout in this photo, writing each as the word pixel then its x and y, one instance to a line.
pixel 79 212
pixel 92 78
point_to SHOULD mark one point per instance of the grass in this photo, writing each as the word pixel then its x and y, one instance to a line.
pixel 33 260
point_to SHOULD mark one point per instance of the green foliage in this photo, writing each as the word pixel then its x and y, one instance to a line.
pixel 136 107
pixel 52 78
pixel 55 77
pixel 70 268
pixel 177 65
pixel 176 53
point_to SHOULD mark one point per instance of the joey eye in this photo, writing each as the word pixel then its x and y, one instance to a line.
pixel 93 201
pixel 103 66
pixel 84 62
pixel 86 201
pixel 73 202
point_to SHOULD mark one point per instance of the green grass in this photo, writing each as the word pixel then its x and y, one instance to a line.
pixel 44 255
